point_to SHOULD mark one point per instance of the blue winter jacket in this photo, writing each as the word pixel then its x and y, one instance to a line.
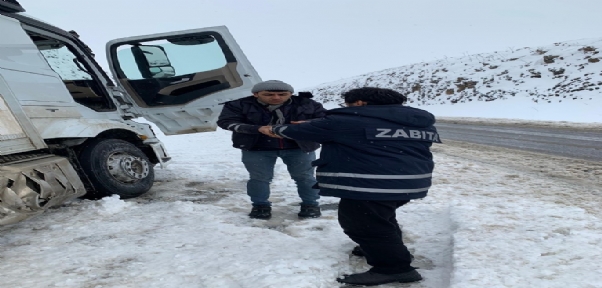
pixel 373 152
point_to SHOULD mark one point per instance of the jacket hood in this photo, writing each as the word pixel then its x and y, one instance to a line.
pixel 402 115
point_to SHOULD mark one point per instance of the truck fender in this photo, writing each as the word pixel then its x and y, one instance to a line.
pixel 83 128
pixel 90 128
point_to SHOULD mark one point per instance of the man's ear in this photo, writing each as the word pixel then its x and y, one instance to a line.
pixel 361 103
pixel 255 94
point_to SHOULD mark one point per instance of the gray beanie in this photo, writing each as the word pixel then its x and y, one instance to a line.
pixel 272 85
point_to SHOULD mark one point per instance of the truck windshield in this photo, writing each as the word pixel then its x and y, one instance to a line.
pixel 82 85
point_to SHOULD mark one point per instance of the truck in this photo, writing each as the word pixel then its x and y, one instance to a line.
pixel 68 130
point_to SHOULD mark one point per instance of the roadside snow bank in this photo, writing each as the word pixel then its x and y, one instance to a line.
pixel 524 243
pixel 515 225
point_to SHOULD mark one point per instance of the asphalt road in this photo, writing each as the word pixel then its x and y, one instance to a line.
pixel 568 142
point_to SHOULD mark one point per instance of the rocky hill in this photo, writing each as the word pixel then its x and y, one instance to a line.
pixel 555 73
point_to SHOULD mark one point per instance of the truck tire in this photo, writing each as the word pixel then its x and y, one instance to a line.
pixel 116 167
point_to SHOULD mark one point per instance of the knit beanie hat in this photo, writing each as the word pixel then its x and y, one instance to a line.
pixel 272 85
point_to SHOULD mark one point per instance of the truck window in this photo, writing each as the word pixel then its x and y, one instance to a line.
pixel 66 64
pixel 176 70
pixel 82 85
pixel 184 59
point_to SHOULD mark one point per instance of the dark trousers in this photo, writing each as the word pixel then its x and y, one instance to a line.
pixel 373 226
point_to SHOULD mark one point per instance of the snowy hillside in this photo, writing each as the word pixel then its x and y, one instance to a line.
pixel 559 73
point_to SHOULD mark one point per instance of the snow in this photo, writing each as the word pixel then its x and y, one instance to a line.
pixel 492 219
pixel 588 111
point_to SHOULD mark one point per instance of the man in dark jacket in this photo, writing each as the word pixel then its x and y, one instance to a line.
pixel 273 103
pixel 376 157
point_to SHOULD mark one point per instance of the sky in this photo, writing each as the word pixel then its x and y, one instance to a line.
pixel 309 42
pixel 491 219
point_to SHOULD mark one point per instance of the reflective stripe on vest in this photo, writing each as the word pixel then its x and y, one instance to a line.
pixel 374 176
pixel 373 190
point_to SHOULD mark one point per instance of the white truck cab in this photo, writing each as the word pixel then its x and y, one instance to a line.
pixel 67 128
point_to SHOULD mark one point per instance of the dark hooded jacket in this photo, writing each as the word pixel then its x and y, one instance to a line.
pixel 244 117
pixel 374 152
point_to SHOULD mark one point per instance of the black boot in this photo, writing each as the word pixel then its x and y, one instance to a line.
pixel 261 212
pixel 371 279
pixel 309 211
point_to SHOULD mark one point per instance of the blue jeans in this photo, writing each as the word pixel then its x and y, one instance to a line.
pixel 260 165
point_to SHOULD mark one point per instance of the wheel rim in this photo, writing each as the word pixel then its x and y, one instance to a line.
pixel 127 168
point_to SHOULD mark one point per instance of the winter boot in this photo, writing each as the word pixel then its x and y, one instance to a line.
pixel 372 279
pixel 261 212
pixel 309 211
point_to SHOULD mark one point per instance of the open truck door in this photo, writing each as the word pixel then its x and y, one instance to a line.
pixel 179 80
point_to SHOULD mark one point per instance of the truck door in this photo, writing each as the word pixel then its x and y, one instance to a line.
pixel 179 80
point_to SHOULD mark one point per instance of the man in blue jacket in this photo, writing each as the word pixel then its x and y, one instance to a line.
pixel 273 103
pixel 376 157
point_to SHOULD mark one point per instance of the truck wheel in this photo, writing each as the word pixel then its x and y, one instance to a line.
pixel 116 167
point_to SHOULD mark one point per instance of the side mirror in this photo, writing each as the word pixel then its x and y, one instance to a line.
pixel 162 72
pixel 152 61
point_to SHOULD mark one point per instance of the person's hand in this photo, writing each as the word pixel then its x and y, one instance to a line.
pixel 267 130
pixel 299 122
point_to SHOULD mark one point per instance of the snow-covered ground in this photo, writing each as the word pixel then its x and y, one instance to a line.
pixel 493 218
pixel 583 111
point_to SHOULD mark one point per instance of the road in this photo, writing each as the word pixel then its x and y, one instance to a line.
pixel 568 142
